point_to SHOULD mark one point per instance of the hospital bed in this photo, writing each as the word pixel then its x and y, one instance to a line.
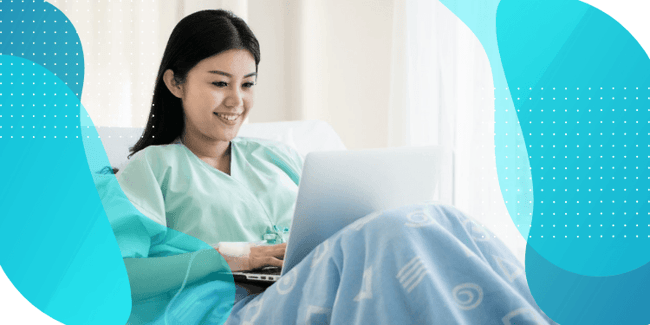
pixel 466 273
pixel 304 136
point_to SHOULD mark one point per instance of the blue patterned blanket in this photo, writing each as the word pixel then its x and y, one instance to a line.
pixel 424 264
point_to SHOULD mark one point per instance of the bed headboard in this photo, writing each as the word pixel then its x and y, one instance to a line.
pixel 304 136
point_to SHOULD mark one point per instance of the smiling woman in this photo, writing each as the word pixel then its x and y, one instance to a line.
pixel 210 66
pixel 217 96
pixel 191 175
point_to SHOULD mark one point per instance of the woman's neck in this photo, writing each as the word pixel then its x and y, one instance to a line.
pixel 215 151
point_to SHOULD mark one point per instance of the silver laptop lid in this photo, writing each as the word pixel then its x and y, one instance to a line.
pixel 339 187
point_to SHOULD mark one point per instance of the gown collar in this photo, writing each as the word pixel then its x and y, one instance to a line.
pixel 233 162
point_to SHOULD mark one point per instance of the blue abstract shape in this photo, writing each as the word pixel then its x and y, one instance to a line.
pixel 547 41
pixel 68 263
pixel 581 83
pixel 38 31
pixel 65 258
pixel 510 149
pixel 570 298
pixel 580 87
pixel 55 205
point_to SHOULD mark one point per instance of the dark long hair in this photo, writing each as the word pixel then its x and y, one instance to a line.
pixel 196 37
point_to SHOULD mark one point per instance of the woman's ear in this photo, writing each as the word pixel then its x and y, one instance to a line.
pixel 170 82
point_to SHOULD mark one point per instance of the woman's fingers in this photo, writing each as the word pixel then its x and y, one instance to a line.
pixel 261 256
pixel 279 250
pixel 262 261
pixel 273 250
pixel 272 261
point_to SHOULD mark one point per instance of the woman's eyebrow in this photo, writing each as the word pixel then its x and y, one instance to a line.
pixel 229 75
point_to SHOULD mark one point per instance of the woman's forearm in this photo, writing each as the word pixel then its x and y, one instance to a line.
pixel 236 262
pixel 153 276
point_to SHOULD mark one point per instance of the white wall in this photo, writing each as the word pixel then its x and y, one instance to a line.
pixel 327 60
pixel 346 68
pixel 270 21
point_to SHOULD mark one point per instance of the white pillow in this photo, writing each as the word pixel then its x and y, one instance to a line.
pixel 304 136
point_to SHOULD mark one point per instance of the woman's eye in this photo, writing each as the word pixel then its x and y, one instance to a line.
pixel 220 84
pixel 249 84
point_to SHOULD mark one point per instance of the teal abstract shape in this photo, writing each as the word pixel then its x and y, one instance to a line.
pixel 580 88
pixel 130 227
pixel 63 256
pixel 567 297
pixel 38 31
pixel 56 206
pixel 512 163
pixel 570 298
pixel 587 264
pixel 73 271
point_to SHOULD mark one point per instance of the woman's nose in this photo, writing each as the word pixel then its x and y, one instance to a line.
pixel 234 98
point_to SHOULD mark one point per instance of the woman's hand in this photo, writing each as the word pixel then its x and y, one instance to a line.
pixel 268 255
pixel 253 257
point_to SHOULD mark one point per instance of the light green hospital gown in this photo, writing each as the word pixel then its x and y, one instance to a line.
pixel 173 187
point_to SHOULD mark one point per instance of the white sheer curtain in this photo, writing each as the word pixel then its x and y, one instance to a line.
pixel 442 94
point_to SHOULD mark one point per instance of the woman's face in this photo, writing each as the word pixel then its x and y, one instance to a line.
pixel 217 95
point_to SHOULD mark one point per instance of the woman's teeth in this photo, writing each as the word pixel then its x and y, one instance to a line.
pixel 227 116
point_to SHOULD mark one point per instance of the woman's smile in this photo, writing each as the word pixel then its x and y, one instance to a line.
pixel 228 119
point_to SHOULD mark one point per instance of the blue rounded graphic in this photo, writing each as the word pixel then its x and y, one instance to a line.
pixel 534 44
pixel 570 298
pixel 65 259
pixel 580 85
pixel 62 254
pixel 39 32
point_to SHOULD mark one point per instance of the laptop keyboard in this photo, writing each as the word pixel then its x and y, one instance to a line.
pixel 270 270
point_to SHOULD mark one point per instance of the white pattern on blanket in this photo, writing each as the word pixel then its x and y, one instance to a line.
pixel 423 264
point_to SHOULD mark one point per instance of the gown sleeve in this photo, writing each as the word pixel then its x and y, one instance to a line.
pixel 297 161
pixel 135 208
pixel 141 183
pixel 289 160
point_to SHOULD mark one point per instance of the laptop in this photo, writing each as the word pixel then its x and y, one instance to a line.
pixel 339 187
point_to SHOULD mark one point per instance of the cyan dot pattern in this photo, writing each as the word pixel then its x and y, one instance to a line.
pixel 64 258
pixel 64 255
pixel 581 91
pixel 566 297
pixel 579 84
pixel 513 169
pixel 39 32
